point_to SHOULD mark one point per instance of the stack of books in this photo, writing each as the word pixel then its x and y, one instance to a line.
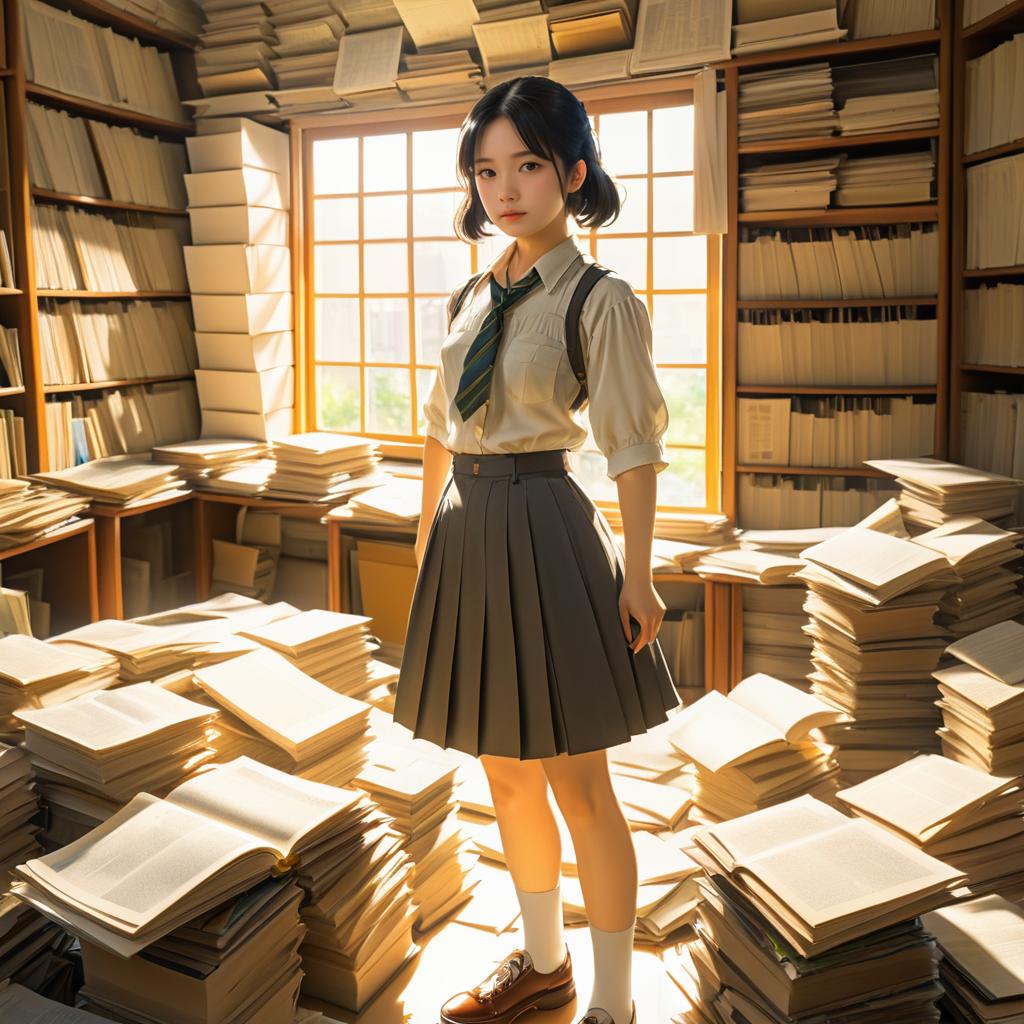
pixel 980 941
pixel 276 714
pixel 964 816
pixel 872 600
pixel 786 24
pixel 787 103
pixel 31 948
pixel 886 179
pixel 789 184
pixel 324 467
pixel 94 753
pixel 802 918
pixel 756 747
pixel 18 807
pixel 983 700
pixel 28 510
pixel 34 674
pixel 238 961
pixel 18 1003
pixel 201 462
pixel 901 94
pixel 122 480
pixel 235 47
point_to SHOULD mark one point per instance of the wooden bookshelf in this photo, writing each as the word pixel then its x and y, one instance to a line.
pixel 969 44
pixel 937 211
pixel 21 309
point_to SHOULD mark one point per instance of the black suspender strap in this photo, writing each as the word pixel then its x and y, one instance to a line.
pixel 453 309
pixel 589 278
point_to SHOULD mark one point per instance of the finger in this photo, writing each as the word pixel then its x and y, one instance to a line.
pixel 624 619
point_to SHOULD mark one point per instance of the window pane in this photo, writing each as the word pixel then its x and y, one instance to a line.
pixel 627 257
pixel 431 329
pixel 337 330
pixel 673 203
pixel 633 216
pixel 439 266
pixel 686 396
pixel 337 398
pixel 387 330
pixel 433 158
pixel 623 139
pixel 335 165
pixel 386 267
pixel 683 480
pixel 673 139
pixel 681 262
pixel 680 328
pixel 433 213
pixel 388 402
pixel 336 220
pixel 424 381
pixel 336 268
pixel 385 217
pixel 384 163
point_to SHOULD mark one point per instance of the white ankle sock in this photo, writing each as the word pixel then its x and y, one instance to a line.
pixel 542 927
pixel 613 972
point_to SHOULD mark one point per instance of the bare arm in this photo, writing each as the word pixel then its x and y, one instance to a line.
pixel 437 461
pixel 638 496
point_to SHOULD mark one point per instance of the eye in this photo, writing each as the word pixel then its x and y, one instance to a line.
pixel 531 163
pixel 483 170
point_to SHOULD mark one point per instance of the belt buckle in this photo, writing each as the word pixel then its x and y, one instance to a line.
pixel 476 469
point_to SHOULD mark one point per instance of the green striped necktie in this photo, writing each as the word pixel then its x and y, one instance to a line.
pixel 478 366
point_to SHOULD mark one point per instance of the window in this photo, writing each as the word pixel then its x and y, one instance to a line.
pixel 383 258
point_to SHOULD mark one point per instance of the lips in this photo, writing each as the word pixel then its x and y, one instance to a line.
pixel 512 214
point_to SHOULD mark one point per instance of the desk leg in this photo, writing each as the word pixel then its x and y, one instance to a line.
pixel 335 583
pixel 717 647
pixel 204 548
pixel 108 552
pixel 736 634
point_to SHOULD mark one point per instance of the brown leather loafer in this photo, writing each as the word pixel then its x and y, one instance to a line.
pixel 510 990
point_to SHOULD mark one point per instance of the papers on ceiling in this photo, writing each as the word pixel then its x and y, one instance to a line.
pixel 680 34
pixel 867 20
pixel 591 26
pixel 756 747
pixel 368 61
pixel 437 25
pixel 778 24
pixel 432 76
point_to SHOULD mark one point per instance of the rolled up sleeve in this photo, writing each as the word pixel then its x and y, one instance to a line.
pixel 628 413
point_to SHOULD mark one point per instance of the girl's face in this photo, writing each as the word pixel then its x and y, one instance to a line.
pixel 510 178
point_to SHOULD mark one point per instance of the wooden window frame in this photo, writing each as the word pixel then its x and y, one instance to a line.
pixel 622 97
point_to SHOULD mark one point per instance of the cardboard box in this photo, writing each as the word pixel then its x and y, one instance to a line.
pixel 253 225
pixel 245 351
pixel 239 391
pixel 244 186
pixel 237 269
pixel 252 145
pixel 247 425
pixel 387 579
pixel 261 313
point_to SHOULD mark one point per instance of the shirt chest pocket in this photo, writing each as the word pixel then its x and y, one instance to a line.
pixel 531 364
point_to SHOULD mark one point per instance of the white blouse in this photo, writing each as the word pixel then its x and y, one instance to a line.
pixel 533 384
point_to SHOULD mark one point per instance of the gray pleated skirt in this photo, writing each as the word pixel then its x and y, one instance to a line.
pixel 514 645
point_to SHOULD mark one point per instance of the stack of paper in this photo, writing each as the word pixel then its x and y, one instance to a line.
pixel 755 748
pixel 803 918
pixel 31 947
pixel 872 600
pixel 18 808
pixel 901 94
pixel 118 480
pixel 235 47
pixel 93 754
pixel 966 817
pixel 772 25
pixel 276 714
pixel 748 565
pixel 30 510
pixel 21 1005
pixel 786 103
pixel 238 961
pixel 934 491
pixel 419 795
pixel 513 37
pixel 34 674
pixel 233 826
pixel 789 184
pixel 983 700
pixel 705 528
pixel 332 647
pixel 307 43
pixel 774 641
pixel 981 969
pixel 590 26
pixel 200 462
pixel 442 74
pixel 397 501
pixel 323 467
pixel 887 179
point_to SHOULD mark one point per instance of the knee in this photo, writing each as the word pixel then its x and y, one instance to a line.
pixel 514 782
pixel 587 801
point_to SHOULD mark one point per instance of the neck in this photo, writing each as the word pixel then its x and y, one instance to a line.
pixel 529 249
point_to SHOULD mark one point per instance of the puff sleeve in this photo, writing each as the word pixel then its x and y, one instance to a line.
pixel 628 413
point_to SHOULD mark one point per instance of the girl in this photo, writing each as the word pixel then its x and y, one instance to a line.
pixel 531 641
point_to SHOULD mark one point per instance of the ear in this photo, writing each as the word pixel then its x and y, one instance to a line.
pixel 578 175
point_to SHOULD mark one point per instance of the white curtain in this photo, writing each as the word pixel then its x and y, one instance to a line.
pixel 710 215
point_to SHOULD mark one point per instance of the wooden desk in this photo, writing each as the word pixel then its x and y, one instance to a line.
pixel 67 557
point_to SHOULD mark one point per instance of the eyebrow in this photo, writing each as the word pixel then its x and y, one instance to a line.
pixel 488 160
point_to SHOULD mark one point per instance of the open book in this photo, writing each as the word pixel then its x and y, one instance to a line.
pixel 158 863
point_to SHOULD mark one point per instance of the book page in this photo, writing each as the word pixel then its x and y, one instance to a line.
pixel 716 732
pixel 280 810
pixel 791 711
pixel 873 559
pixel 998 651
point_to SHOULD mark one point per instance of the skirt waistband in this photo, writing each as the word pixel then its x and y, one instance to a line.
pixel 511 463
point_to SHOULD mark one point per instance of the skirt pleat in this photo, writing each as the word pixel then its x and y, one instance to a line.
pixel 514 645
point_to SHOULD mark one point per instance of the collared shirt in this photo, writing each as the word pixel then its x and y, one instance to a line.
pixel 533 384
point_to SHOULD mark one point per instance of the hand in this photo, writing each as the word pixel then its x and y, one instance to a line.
pixel 639 599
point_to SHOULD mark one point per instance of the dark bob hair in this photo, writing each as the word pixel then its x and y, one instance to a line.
pixel 554 124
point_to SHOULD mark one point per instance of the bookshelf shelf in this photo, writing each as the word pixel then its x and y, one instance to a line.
pixel 9 392
pixel 977 368
pixel 900 300
pixel 58 389
pixel 843 216
pixel 783 146
pixel 103 112
pixel 991 273
pixel 879 45
pixel 10 291
pixel 997 26
pixel 833 389
pixel 46 196
pixel 122 21
pixel 816 470
pixel 1006 149
pixel 64 293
